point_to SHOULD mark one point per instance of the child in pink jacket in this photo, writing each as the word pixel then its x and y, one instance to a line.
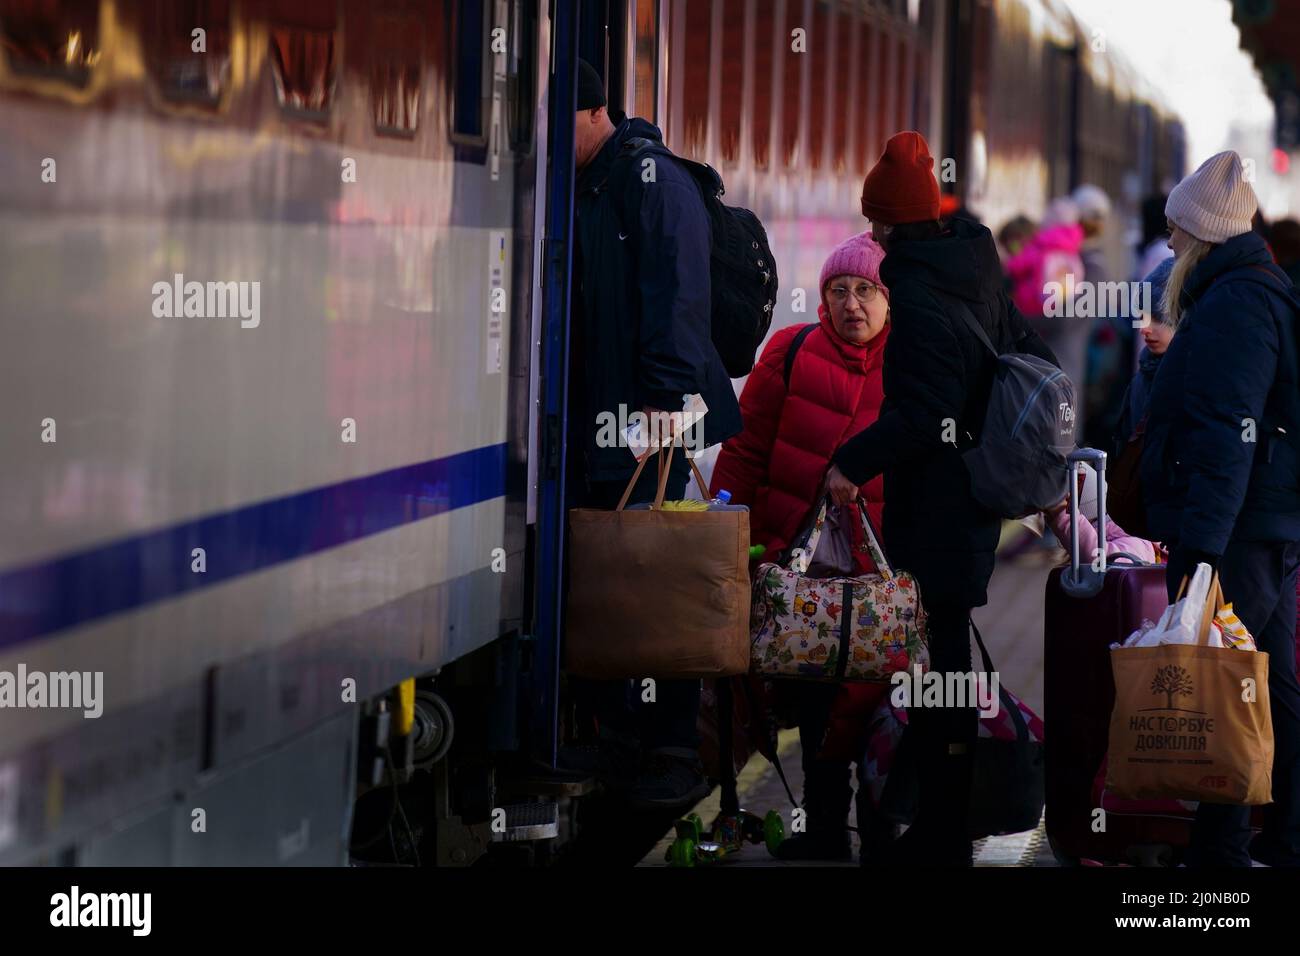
pixel 1117 539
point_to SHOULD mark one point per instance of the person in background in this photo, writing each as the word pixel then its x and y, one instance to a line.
pixel 1111 338
pixel 1053 256
pixel 936 370
pixel 1154 247
pixel 1217 496
pixel 1156 336
pixel 793 424
pixel 1015 234
pixel 640 341
pixel 1285 236
pixel 1093 206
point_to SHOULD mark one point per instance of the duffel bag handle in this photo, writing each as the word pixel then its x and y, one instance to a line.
pixel 664 468
pixel 873 543
pixel 806 543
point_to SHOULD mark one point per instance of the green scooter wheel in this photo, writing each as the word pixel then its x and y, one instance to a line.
pixel 681 853
pixel 696 825
pixel 773 831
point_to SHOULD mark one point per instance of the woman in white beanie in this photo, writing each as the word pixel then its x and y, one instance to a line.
pixel 1221 470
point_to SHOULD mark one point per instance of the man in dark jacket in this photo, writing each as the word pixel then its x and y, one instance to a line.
pixel 640 342
pixel 937 378
pixel 1221 471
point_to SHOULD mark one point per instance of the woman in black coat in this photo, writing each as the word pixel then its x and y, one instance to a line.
pixel 1221 469
pixel 937 380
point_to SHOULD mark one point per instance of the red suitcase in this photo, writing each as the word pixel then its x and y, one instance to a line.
pixel 1085 612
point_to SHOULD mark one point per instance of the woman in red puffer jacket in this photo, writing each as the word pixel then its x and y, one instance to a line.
pixel 776 466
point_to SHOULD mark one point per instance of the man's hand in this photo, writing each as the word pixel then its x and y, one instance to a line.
pixel 661 426
pixel 841 489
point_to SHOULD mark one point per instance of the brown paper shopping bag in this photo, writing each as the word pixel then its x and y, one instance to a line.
pixel 657 593
pixel 1191 722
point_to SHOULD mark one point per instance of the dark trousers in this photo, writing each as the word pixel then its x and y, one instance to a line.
pixel 1259 578
pixel 670 721
pixel 944 737
pixel 827 792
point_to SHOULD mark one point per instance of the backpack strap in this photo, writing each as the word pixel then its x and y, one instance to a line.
pixel 973 324
pixel 793 350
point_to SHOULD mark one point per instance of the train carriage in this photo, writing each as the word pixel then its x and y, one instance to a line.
pixel 285 294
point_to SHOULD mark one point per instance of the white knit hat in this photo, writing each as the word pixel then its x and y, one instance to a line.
pixel 1092 201
pixel 1214 203
pixel 1061 211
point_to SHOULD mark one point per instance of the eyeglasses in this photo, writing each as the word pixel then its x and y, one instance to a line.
pixel 864 292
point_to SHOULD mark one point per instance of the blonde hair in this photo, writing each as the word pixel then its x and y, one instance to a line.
pixel 1171 302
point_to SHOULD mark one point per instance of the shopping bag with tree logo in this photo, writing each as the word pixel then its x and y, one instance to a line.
pixel 1191 720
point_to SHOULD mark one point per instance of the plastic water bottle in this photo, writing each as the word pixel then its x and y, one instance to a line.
pixel 723 497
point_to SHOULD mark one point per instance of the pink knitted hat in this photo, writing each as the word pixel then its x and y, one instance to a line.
pixel 858 255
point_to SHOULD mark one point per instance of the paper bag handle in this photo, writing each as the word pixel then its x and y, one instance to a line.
pixel 1213 601
pixel 665 467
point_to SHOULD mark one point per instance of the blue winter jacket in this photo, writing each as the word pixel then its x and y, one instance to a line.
pixel 1220 458
pixel 642 302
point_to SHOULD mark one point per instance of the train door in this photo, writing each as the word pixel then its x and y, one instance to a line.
pixel 599 31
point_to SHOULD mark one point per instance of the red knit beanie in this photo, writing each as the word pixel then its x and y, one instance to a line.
pixel 901 186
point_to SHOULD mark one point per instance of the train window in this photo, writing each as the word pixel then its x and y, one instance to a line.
pixel 764 44
pixel 521 73
pixel 732 68
pixel 395 73
pixel 791 85
pixel 645 98
pixel 885 96
pixel 868 102
pixel 190 67
pixel 54 39
pixel 921 101
pixel 820 44
pixel 846 79
pixel 470 31
pixel 904 72
pixel 695 76
pixel 304 53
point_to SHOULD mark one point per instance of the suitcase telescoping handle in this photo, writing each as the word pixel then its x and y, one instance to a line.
pixel 1084 579
pixel 1087 573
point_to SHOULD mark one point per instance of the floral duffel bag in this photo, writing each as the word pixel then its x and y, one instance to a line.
pixel 859 627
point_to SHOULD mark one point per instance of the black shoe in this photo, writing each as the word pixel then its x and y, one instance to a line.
pixel 671 778
pixel 822 845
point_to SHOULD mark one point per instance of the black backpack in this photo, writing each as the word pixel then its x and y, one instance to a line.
pixel 1020 466
pixel 742 270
